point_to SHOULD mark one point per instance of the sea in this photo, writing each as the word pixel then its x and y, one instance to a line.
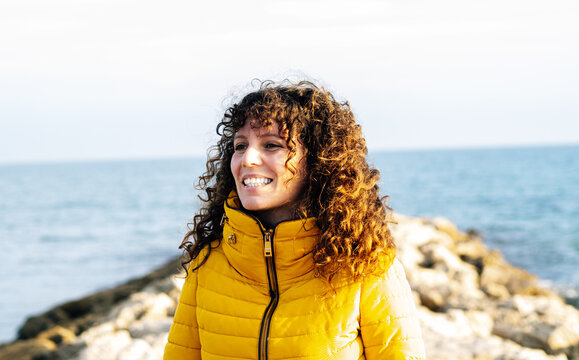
pixel 69 229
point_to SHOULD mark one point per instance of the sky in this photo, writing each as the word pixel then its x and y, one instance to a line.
pixel 98 80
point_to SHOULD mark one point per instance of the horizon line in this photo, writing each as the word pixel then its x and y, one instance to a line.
pixel 198 156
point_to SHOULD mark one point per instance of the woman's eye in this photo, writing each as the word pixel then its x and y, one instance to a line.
pixel 239 147
pixel 272 146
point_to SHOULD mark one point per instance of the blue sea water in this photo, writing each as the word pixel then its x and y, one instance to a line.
pixel 68 229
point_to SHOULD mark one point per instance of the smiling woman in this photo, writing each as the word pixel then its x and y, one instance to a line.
pixel 291 256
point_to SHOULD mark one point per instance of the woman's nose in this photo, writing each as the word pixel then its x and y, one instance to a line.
pixel 252 157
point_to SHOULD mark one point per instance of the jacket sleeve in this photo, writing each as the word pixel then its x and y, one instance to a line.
pixel 183 342
pixel 388 321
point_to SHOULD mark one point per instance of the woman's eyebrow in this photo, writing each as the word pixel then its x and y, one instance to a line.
pixel 269 134
pixel 238 136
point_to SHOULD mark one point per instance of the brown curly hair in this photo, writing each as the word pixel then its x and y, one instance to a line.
pixel 340 188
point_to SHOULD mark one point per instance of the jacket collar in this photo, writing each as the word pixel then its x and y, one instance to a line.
pixel 243 244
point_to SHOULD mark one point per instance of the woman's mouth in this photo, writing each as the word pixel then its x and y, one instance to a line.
pixel 255 182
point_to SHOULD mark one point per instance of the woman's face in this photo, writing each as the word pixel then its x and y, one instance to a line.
pixel 264 183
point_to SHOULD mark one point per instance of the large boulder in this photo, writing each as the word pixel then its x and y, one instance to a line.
pixel 501 280
pixel 539 322
pixel 466 335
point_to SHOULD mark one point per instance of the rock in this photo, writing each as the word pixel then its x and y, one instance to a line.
pixel 539 322
pixel 163 285
pixel 64 352
pixel 432 287
pixel 158 343
pixel 444 280
pixel 58 335
pixel 443 260
pixel 415 232
pixel 26 349
pixel 107 347
pixel 473 251
pixel 137 349
pixel 143 305
pixel 499 279
pixel 457 323
pixel 96 332
pixel 565 339
pixel 141 329
pixel 446 226
pixel 458 335
pixel 159 307
pixel 34 326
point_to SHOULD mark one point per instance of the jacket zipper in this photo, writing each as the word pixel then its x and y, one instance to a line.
pixel 272 282
pixel 273 294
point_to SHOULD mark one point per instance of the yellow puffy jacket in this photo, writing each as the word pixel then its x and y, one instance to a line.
pixel 256 297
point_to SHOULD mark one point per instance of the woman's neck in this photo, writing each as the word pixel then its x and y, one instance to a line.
pixel 271 218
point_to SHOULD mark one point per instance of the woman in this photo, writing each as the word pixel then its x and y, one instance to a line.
pixel 292 256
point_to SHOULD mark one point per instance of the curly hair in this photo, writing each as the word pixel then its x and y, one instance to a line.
pixel 340 188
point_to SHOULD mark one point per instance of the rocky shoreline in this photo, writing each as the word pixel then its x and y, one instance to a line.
pixel 472 304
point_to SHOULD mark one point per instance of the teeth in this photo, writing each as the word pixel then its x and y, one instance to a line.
pixel 254 182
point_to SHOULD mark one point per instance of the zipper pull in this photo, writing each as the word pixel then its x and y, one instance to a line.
pixel 267 243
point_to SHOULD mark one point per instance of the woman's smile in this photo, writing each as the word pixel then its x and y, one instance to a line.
pixel 255 182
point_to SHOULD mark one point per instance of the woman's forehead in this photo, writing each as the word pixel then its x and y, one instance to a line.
pixel 263 128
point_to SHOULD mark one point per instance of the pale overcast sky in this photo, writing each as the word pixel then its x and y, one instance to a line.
pixel 88 79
